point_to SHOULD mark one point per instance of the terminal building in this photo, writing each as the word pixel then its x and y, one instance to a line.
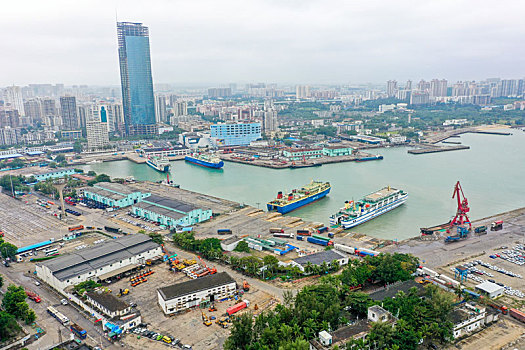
pixel 114 194
pixel 170 212
pixel 182 296
pixel 98 263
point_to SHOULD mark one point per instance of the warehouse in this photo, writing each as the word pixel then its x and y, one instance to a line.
pixel 54 174
pixel 113 194
pixel 170 212
pixel 181 296
pixel 100 262
pixel 492 290
pixel 319 258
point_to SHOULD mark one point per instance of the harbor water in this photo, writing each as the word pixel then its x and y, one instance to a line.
pixel 492 174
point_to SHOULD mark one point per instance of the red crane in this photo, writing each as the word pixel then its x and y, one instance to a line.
pixel 461 217
pixel 210 270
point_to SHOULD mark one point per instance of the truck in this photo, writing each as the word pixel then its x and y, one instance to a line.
pixel 237 307
pixel 76 228
pixel 33 296
pixel 330 234
pixel 112 229
pixel 322 229
pixel 319 241
pixel 276 230
pixel 79 331
pixel 304 233
pixel 496 225
pixel 480 229
pixel 517 314
pixel 224 231
pixel 284 235
pixel 299 238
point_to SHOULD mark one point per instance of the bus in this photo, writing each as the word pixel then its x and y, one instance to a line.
pixel 50 252
pixel 61 318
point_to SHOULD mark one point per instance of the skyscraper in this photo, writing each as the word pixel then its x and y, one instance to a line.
pixel 13 96
pixel 70 120
pixel 391 88
pixel 135 76
pixel 161 110
pixel 97 127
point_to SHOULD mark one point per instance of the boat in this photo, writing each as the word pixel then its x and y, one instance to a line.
pixel 159 163
pixel 365 159
pixel 307 194
pixel 368 208
pixel 208 161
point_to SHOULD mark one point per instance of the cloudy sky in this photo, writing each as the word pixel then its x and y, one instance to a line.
pixel 281 41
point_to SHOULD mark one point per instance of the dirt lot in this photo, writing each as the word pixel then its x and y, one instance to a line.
pixel 187 326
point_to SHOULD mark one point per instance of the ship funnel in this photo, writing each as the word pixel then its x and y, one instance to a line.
pixel 279 195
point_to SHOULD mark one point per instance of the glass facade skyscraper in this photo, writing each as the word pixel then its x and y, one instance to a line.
pixel 135 75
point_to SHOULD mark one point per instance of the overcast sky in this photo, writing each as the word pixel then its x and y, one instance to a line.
pixel 282 41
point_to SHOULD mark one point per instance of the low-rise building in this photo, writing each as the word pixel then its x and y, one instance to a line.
pixel 302 153
pixel 114 194
pixel 55 174
pixel 326 256
pixel 492 290
pixel 170 212
pixel 119 314
pixel 397 139
pixel 337 151
pixel 99 263
pixel 467 319
pixel 182 296
pixel 230 243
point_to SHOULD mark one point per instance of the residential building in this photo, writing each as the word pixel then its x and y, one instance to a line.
pixel 33 110
pixel 219 92
pixel 49 108
pixel 136 81
pixel 296 154
pixel 180 109
pixel 97 127
pixel 114 194
pixel 161 109
pixel 170 212
pixel 235 134
pixel 9 136
pixel 13 97
pixel 68 107
pixel 438 88
pixel 270 123
pixel 118 312
pixel 391 88
pixel 100 262
pixel 467 319
pixel 337 151
pixel 419 97
pixel 193 293
pixel 302 91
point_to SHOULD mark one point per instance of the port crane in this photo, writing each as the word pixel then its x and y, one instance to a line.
pixel 461 218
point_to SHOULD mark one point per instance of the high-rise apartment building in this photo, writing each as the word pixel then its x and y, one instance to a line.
pixel 97 127
pixel 302 91
pixel 33 110
pixel 48 107
pixel 68 107
pixel 509 87
pixel 423 85
pixel 180 109
pixel 438 88
pixel 161 110
pixel 391 88
pixel 136 81
pixel 219 92
pixel 13 96
pixel 408 85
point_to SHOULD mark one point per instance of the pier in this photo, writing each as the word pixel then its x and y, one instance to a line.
pixel 428 148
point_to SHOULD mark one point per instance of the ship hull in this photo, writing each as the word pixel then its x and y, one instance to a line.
pixel 164 169
pixel 204 163
pixel 346 224
pixel 296 205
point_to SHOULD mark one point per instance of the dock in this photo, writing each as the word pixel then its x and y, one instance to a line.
pixel 428 148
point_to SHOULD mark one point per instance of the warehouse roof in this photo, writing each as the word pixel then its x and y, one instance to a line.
pixel 116 187
pixel 318 258
pixel 104 193
pixel 489 287
pixel 391 290
pixel 102 255
pixel 197 285
pixel 108 301
pixel 175 215
pixel 170 203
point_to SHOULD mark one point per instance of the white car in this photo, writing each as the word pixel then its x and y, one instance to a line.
pixel 63 302
pixel 37 283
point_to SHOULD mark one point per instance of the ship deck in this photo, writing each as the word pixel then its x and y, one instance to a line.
pixel 382 193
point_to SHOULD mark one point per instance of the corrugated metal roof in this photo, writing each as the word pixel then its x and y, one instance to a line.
pixel 170 203
pixel 194 286
pixel 116 187
pixel 318 258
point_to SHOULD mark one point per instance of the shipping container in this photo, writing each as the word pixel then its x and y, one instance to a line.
pixel 517 314
pixel 319 241
pixel 224 231
pixel 344 248
pixel 322 229
pixel 237 307
pixel 284 235
pixel 276 230
pixel 304 233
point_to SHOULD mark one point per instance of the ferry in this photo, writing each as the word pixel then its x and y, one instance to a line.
pixel 159 163
pixel 371 206
pixel 299 197
pixel 208 161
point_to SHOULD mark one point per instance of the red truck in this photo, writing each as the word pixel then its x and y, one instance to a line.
pixel 517 314
pixel 33 296
pixel 237 307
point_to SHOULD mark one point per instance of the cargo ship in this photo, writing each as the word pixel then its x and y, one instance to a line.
pixel 371 206
pixel 205 160
pixel 299 197
pixel 159 163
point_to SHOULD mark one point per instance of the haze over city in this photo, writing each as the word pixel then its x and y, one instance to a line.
pixel 211 42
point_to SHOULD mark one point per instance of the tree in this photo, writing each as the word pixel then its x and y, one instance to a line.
pixel 242 246
pixel 13 299
pixel 241 333
pixel 91 173
pixel 77 147
pixel 103 178
pixel 8 250
pixel 8 326
pixel 60 158
pixel 157 238
pixel 1 281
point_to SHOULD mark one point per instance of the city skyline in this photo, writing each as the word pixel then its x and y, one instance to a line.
pixel 293 42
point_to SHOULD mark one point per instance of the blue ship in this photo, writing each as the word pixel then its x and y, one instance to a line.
pixel 205 161
pixel 299 198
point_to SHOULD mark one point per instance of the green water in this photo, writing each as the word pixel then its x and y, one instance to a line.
pixel 492 174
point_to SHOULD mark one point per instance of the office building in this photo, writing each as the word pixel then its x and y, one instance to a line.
pixel 13 97
pixel 97 127
pixel 391 88
pixel 136 81
pixel 239 134
pixel 99 263
pixel 161 110
pixel 204 290
pixel 68 106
